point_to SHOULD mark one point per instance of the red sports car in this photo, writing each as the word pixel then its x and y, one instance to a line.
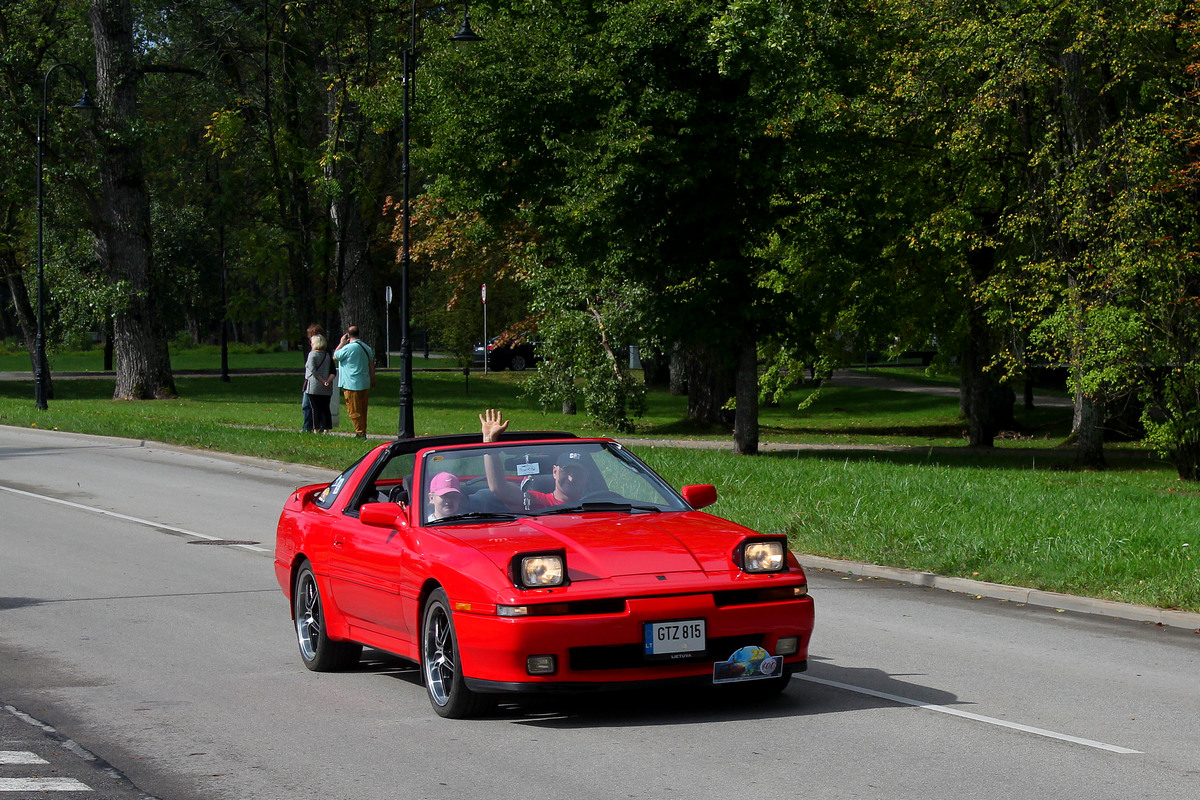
pixel 539 562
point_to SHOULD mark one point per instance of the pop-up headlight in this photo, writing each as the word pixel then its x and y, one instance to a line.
pixel 539 570
pixel 764 556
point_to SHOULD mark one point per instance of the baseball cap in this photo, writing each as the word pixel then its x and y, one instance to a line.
pixel 570 460
pixel 444 483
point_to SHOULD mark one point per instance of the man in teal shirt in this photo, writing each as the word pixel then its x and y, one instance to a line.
pixel 356 377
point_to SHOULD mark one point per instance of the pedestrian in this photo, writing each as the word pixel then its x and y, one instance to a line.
pixel 305 407
pixel 318 384
pixel 356 377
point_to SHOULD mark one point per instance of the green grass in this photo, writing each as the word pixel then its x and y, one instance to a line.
pixel 1130 534
pixel 241 358
pixel 1016 515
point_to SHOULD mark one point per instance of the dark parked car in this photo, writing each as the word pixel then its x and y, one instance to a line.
pixel 514 355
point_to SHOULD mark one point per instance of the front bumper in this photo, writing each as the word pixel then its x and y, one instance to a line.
pixel 605 651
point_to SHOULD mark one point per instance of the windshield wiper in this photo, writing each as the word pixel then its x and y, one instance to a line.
pixel 600 506
pixel 502 515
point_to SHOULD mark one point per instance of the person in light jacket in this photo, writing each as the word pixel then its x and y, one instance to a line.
pixel 318 384
pixel 356 377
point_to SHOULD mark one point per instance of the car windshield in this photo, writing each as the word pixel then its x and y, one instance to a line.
pixel 502 481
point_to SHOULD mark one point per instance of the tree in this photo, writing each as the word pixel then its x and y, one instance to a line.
pixel 35 37
pixel 123 243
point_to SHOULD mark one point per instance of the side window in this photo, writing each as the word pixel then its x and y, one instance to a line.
pixel 395 476
pixel 398 468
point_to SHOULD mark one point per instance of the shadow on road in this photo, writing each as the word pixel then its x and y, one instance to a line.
pixel 691 705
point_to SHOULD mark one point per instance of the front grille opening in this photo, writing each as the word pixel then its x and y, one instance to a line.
pixel 631 656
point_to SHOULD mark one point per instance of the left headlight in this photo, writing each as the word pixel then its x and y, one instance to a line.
pixel 764 556
pixel 539 570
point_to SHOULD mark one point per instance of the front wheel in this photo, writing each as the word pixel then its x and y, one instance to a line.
pixel 440 664
pixel 317 650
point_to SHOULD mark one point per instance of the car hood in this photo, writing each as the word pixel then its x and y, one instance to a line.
pixel 612 545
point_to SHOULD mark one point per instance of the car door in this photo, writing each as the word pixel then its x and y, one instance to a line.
pixel 366 570
pixel 367 562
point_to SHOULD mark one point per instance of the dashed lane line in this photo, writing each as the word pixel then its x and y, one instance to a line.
pixel 127 518
pixel 908 701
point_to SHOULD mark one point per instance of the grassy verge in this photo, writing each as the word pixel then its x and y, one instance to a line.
pixel 1017 515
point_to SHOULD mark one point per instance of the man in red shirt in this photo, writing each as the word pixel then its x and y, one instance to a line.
pixel 570 473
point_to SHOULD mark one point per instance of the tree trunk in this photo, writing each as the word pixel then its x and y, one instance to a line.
pixel 711 382
pixel 987 403
pixel 26 315
pixel 351 255
pixel 359 304
pixel 1089 431
pixel 677 368
pixel 1185 455
pixel 122 238
pixel 284 62
pixel 745 422
pixel 655 371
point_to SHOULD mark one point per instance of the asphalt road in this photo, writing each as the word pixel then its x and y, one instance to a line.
pixel 140 620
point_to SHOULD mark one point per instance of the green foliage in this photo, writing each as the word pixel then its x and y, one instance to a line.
pixel 826 179
pixel 585 330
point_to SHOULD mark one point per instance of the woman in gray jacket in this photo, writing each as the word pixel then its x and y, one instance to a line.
pixel 318 383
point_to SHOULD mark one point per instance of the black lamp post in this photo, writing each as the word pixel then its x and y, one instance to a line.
pixel 465 34
pixel 41 368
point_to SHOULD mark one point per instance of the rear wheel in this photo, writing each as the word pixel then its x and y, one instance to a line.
pixel 440 664
pixel 317 650
pixel 517 363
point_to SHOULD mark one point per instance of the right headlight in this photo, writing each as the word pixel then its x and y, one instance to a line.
pixel 539 570
pixel 764 556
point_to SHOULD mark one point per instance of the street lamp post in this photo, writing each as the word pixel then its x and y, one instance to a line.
pixel 409 65
pixel 41 368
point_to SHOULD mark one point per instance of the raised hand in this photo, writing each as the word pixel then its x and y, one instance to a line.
pixel 492 423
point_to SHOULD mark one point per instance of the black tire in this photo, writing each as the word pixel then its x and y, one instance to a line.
pixel 517 362
pixel 318 652
pixel 441 669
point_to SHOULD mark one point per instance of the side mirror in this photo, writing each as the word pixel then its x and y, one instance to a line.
pixel 701 495
pixel 383 515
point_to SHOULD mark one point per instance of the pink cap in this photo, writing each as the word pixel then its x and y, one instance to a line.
pixel 444 483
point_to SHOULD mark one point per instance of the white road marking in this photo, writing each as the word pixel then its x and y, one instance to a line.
pixel 42 785
pixel 1112 748
pixel 127 518
pixel 20 757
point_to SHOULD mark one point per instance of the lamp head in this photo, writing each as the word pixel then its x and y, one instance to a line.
pixel 85 103
pixel 465 34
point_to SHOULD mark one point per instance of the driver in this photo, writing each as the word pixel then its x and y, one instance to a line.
pixel 570 473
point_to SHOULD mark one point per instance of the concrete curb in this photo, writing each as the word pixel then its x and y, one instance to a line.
pixel 1017 594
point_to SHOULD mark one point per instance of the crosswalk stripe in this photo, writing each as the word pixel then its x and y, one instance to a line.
pixel 42 785
pixel 20 757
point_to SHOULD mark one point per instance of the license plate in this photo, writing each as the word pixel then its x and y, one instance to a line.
pixel 677 639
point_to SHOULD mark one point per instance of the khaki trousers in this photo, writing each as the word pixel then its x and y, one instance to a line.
pixel 356 407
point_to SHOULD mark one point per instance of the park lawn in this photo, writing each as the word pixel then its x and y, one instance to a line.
pixel 199 359
pixel 1016 515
